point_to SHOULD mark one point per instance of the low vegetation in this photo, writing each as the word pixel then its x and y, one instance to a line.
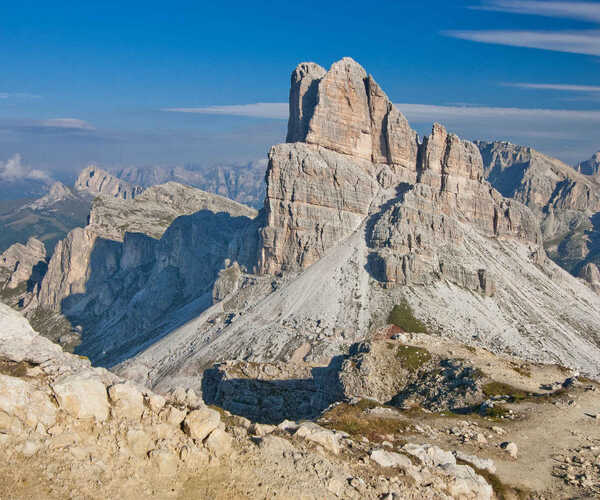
pixel 412 358
pixel 355 421
pixel 402 316
pixel 501 389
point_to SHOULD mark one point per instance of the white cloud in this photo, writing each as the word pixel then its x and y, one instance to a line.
pixel 14 169
pixel 434 112
pixel 66 123
pixel 585 11
pixel 277 110
pixel 576 42
pixel 553 86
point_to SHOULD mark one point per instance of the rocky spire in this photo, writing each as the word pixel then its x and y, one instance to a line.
pixel 345 110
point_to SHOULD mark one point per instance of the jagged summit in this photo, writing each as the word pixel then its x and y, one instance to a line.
pixel 58 193
pixel 345 110
pixel 95 181
pixel 359 216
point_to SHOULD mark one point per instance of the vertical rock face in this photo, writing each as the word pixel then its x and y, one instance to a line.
pixel 566 201
pixel 354 151
pixel 96 181
pixel 24 262
pixel 140 259
pixel 591 166
pixel 315 198
pixel 303 99
pixel 349 114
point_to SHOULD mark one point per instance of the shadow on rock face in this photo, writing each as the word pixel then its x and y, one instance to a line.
pixel 272 400
pixel 133 286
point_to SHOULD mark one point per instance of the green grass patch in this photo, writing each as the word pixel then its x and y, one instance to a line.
pixel 353 420
pixel 502 389
pixel 412 358
pixel 403 317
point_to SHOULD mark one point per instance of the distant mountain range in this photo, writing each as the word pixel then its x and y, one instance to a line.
pixel 243 183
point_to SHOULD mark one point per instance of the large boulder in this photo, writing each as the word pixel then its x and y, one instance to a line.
pixel 200 423
pixel 82 395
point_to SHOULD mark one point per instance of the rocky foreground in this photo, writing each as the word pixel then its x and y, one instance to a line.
pixel 68 430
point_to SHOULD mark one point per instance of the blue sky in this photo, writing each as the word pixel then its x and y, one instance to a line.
pixel 88 82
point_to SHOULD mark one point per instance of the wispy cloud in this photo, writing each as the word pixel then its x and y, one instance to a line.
pixel 15 170
pixel 53 126
pixel 66 123
pixel 554 86
pixel 575 42
pixel 585 41
pixel 584 11
pixel 277 110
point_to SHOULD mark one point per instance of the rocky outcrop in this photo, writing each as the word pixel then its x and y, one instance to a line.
pixel 58 193
pixel 566 201
pixel 153 211
pixel 138 260
pixel 359 217
pixel 591 166
pixel 358 152
pixel 95 181
pixel 25 264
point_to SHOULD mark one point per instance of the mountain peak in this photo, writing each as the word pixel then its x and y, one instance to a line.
pixel 345 110
pixel 96 181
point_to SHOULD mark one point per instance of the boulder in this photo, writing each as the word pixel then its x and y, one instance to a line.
pixel 20 399
pixel 390 459
pixel 219 442
pixel 200 423
pixel 261 430
pixel 173 416
pixel 317 434
pixel 155 402
pixel 127 400
pixel 82 396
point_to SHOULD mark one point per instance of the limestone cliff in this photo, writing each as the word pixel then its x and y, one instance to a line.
pixel 354 151
pixel 360 216
pixel 566 202
pixel 95 181
pixel 23 264
pixel 139 259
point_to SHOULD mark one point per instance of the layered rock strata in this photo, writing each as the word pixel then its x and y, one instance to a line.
pixel 95 181
pixel 566 201
pixel 361 216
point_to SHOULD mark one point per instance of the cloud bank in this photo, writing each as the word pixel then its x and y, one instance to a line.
pixel 15 170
